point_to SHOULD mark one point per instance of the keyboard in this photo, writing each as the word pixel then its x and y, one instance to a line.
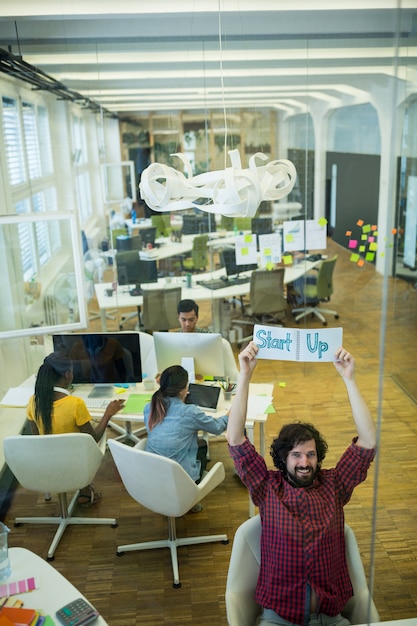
pixel 213 284
pixel 97 403
pixel 218 283
pixel 314 257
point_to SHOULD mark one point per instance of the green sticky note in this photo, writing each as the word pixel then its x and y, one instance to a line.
pixel 270 409
pixel 136 402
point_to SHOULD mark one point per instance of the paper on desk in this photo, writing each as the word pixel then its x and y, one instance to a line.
pixel 258 405
pixel 136 402
pixel 17 396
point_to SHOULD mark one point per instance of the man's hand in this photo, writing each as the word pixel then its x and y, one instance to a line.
pixel 344 363
pixel 247 358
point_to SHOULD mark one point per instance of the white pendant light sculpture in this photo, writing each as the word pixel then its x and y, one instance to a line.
pixel 233 192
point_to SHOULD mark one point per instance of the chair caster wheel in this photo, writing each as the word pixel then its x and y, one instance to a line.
pixel 114 525
pixel 225 542
pixel 176 585
pixel 119 553
pixel 50 558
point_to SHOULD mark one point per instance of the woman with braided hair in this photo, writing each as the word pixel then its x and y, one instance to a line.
pixel 53 410
pixel 173 425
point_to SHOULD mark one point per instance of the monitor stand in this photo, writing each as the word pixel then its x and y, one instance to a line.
pixel 136 291
pixel 101 391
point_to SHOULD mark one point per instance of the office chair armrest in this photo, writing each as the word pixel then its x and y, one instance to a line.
pixel 213 478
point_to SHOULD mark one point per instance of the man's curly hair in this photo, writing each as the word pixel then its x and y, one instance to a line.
pixel 290 436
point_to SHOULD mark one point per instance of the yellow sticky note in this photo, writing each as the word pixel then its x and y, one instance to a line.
pixel 289 238
pixel 282 384
pixel 322 221
pixel 244 251
pixel 366 228
pixel 354 257
pixel 248 238
pixel 287 259
pixel 373 246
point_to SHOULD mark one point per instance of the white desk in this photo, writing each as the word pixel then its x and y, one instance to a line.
pixel 54 589
pixel 122 299
pixel 256 389
pixel 146 222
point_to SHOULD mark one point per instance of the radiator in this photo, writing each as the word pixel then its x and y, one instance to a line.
pixel 56 313
pixel 50 307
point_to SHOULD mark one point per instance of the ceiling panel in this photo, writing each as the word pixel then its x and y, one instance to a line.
pixel 146 61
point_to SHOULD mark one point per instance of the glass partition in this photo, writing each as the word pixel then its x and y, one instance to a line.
pixel 42 281
pixel 341 106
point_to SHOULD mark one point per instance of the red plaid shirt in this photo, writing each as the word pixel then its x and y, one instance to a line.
pixel 302 538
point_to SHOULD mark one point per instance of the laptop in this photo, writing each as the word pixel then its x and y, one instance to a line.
pixel 204 396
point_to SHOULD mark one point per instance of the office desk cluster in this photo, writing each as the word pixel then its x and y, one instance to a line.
pixel 122 299
pixel 130 425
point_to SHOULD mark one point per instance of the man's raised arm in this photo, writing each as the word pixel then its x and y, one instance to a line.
pixel 345 365
pixel 237 415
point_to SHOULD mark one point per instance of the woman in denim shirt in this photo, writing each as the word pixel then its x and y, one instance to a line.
pixel 173 425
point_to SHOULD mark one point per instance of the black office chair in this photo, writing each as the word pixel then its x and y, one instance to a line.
pixel 268 304
pixel 317 288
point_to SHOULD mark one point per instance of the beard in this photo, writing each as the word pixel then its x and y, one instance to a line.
pixel 302 478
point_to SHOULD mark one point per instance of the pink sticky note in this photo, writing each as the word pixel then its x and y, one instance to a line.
pixel 353 243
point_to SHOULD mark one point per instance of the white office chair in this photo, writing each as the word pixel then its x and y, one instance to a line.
pixel 241 608
pixel 148 367
pixel 163 486
pixel 56 464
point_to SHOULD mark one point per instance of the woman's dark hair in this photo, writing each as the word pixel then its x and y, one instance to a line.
pixel 53 369
pixel 172 381
pixel 289 437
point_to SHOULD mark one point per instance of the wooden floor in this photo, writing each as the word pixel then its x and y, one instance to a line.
pixel 137 587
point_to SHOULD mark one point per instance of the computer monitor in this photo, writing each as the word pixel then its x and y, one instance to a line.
pixel 103 359
pixel 148 235
pixel 131 270
pixel 262 225
pixel 228 256
pixel 124 243
pixel 205 348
